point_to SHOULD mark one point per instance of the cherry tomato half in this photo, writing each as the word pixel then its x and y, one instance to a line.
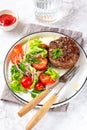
pixel 16 54
pixel 46 79
pixel 39 86
pixel 44 45
pixel 42 64
pixel 26 82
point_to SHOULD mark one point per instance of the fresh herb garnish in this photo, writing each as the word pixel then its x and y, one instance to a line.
pixel 34 93
pixel 31 59
pixel 22 66
pixel 13 69
pixel 57 53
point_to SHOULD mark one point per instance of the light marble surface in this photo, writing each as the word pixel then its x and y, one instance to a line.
pixel 76 116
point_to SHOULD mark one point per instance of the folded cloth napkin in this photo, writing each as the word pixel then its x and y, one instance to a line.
pixel 31 28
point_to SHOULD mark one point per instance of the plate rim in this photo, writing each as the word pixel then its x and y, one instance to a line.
pixel 39 105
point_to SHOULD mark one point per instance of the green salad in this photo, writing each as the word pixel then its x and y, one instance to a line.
pixel 31 70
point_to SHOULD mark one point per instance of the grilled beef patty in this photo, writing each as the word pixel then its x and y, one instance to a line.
pixel 70 52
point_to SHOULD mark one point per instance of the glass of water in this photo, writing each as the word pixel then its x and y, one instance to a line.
pixel 46 10
pixel 50 11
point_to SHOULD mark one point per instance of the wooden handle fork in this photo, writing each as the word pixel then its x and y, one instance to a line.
pixel 33 103
pixel 41 112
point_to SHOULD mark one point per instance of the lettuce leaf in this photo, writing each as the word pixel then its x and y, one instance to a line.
pixel 35 48
pixel 16 76
pixel 17 87
pixel 34 42
pixel 53 74
pixel 15 84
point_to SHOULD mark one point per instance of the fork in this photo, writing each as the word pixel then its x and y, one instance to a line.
pixel 62 79
pixel 43 110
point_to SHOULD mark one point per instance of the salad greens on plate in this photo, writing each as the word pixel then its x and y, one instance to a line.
pixel 31 70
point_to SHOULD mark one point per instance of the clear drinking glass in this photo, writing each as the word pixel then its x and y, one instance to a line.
pixel 52 10
pixel 46 10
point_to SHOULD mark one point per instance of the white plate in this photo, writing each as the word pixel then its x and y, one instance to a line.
pixel 71 89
